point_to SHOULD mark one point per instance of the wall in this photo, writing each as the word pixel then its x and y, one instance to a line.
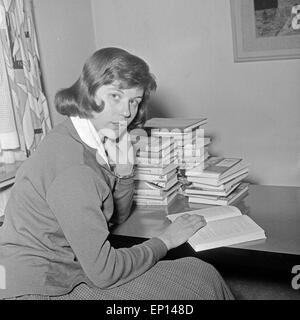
pixel 253 108
pixel 66 38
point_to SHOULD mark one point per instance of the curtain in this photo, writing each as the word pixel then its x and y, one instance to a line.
pixel 24 112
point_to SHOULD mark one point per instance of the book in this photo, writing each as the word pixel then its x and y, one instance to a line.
pixel 168 159
pixel 187 166
pixel 218 167
pixel 226 226
pixel 142 184
pixel 190 152
pixel 186 142
pixel 157 192
pixel 153 144
pixel 217 182
pixel 223 167
pixel 139 200
pixel 241 190
pixel 223 187
pixel 190 191
pixel 154 177
pixel 199 160
pixel 156 170
pixel 176 124
pixel 157 154
pixel 196 134
pixel 177 135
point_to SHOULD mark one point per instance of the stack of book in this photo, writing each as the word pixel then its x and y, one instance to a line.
pixel 188 135
pixel 156 180
pixel 219 183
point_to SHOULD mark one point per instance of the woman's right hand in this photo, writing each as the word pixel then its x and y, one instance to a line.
pixel 181 230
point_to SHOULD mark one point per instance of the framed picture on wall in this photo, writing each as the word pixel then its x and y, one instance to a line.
pixel 265 29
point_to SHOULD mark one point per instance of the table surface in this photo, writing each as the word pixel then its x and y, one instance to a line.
pixel 276 209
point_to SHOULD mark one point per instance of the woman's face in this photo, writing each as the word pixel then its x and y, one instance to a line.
pixel 120 108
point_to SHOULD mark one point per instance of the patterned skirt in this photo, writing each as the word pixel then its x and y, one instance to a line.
pixel 182 279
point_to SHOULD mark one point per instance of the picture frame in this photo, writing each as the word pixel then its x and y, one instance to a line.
pixel 249 44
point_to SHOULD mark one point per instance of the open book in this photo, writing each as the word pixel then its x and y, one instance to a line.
pixel 226 225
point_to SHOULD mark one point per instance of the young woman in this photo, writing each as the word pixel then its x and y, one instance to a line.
pixel 54 240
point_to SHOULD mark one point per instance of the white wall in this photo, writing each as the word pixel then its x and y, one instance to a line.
pixel 66 39
pixel 253 108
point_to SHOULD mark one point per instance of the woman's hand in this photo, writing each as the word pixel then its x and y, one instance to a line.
pixel 120 154
pixel 181 230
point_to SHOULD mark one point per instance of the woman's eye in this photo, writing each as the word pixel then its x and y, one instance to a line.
pixel 115 96
pixel 134 103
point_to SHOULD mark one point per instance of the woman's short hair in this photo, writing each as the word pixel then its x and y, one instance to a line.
pixel 104 67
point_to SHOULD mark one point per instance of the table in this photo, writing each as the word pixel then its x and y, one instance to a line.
pixel 254 270
pixel 276 209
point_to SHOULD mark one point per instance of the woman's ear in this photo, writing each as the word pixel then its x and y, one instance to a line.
pixel 100 105
pixel 97 96
pixel 97 99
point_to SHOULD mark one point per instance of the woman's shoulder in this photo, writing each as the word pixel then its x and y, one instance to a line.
pixel 59 155
pixel 57 151
pixel 61 138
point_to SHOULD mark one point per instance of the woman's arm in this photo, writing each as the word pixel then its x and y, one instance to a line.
pixel 121 157
pixel 80 203
pixel 123 199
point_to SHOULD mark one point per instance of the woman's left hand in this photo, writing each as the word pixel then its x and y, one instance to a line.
pixel 120 154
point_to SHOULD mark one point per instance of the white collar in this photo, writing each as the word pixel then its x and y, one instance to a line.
pixel 89 135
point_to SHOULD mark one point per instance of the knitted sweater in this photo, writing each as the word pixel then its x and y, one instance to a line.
pixel 57 221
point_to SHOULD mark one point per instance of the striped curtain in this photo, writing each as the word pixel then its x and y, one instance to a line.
pixel 24 112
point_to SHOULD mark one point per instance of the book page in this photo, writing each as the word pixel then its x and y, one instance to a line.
pixel 225 232
pixel 211 214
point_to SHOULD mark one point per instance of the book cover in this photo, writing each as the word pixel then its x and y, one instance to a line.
pixel 180 124
pixel 190 152
pixel 157 192
pixel 163 185
pixel 156 170
pixel 215 181
pixel 152 143
pixel 155 202
pixel 220 200
pixel 223 187
pixel 190 140
pixel 140 175
pixel 216 167
pixel 170 150
pixel 168 159
pixel 190 191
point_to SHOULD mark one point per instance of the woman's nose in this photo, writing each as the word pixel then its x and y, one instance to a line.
pixel 126 109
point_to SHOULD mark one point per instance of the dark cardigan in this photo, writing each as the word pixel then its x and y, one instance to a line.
pixel 57 222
